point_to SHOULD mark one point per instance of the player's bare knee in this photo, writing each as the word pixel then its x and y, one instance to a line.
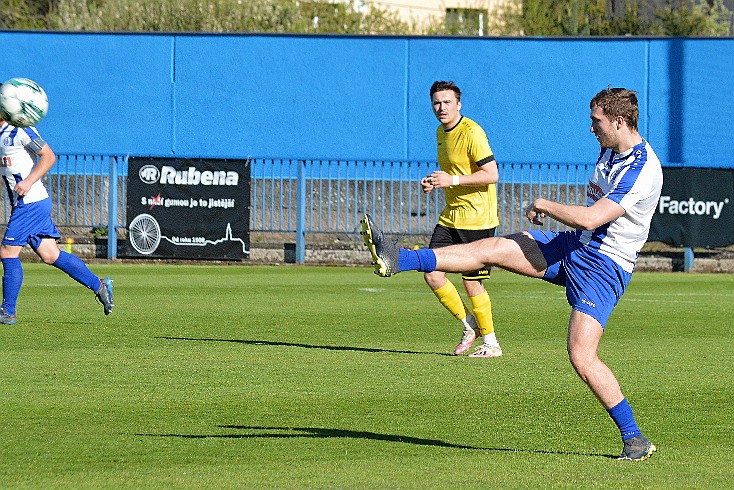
pixel 48 255
pixel 581 365
pixel 48 260
pixel 7 252
pixel 474 287
pixel 435 279
pixel 582 373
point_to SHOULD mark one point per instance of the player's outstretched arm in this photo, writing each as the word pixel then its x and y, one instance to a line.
pixel 581 217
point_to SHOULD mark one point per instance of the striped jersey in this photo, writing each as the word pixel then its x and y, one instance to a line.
pixel 633 180
pixel 18 153
pixel 461 151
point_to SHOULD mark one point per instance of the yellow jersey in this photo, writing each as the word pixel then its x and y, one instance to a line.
pixel 461 151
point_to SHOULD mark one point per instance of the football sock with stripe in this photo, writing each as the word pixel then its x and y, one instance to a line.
pixel 12 281
pixel 77 270
pixel 621 413
pixel 449 297
pixel 423 260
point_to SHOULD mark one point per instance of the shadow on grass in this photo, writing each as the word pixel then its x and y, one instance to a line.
pixel 321 433
pixel 308 346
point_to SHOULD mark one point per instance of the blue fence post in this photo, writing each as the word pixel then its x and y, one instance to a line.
pixel 301 213
pixel 687 259
pixel 112 210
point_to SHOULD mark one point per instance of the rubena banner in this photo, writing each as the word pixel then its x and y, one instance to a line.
pixel 188 208
pixel 696 208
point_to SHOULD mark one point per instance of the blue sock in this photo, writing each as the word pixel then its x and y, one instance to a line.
pixel 12 281
pixel 423 260
pixel 77 270
pixel 621 413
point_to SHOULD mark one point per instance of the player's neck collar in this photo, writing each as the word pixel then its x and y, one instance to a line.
pixel 454 126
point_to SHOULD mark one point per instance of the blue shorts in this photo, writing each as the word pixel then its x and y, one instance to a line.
pixel 594 283
pixel 29 224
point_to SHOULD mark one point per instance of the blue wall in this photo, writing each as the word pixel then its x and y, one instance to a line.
pixel 352 97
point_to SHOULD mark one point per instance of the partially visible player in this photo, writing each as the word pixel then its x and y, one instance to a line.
pixel 24 159
pixel 594 262
pixel 468 176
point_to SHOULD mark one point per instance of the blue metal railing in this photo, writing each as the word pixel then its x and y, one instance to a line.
pixel 313 197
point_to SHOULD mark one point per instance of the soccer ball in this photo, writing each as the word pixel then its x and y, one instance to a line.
pixel 23 102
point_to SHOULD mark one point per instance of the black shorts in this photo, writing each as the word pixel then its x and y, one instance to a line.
pixel 443 236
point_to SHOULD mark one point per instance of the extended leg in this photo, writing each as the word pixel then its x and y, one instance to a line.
pixel 517 253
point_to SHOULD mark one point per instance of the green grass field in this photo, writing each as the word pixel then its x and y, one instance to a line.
pixel 326 377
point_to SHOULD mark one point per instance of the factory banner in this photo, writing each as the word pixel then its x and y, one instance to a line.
pixel 188 208
pixel 695 208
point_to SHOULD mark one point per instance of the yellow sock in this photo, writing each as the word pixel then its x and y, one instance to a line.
pixel 482 309
pixel 450 299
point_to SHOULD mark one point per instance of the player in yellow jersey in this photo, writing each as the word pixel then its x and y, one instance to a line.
pixel 468 176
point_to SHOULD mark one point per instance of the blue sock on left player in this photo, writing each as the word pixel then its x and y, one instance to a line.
pixel 77 270
pixel 423 260
pixel 621 413
pixel 12 281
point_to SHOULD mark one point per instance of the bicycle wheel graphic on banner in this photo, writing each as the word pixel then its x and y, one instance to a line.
pixel 145 234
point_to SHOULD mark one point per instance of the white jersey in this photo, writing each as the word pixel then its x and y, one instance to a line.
pixel 18 154
pixel 633 180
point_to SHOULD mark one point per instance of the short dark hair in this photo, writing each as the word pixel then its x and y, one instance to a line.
pixel 441 85
pixel 616 102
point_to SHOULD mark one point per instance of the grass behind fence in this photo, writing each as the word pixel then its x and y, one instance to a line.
pixel 325 377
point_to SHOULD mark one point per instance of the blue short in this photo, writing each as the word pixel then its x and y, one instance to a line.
pixel 594 283
pixel 29 224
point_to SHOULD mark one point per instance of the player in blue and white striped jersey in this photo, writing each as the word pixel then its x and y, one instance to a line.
pixel 594 262
pixel 633 180
pixel 24 159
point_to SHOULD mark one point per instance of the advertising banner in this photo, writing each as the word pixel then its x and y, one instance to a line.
pixel 188 208
pixel 695 208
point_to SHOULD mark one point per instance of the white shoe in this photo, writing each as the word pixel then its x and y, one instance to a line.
pixel 487 350
pixel 469 336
